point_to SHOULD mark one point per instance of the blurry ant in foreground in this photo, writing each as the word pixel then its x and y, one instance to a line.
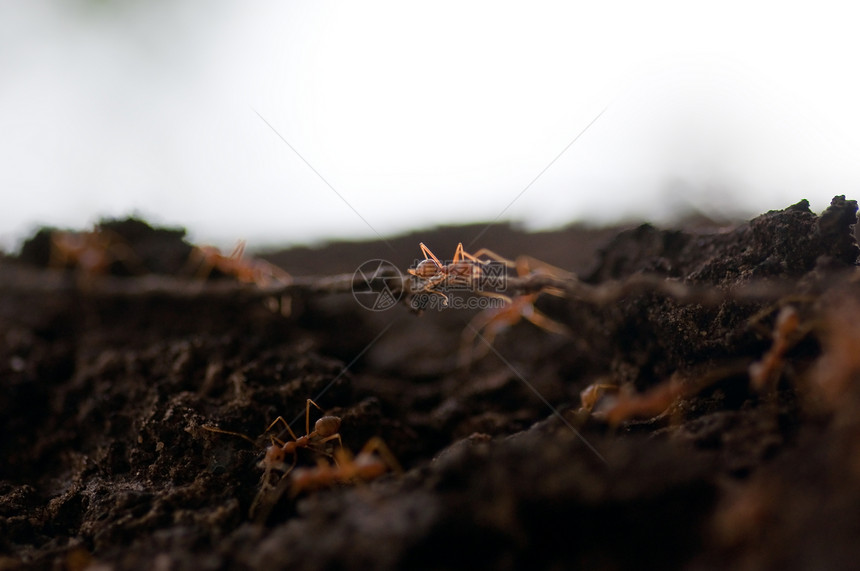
pixel 787 332
pixel 494 320
pixel 624 403
pixel 374 460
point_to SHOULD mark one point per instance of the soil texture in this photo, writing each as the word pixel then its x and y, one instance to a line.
pixel 700 411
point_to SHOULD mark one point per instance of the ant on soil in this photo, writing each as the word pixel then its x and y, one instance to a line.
pixel 325 430
pixel 246 270
pixel 464 270
pixel 654 403
pixel 627 404
pixel 372 461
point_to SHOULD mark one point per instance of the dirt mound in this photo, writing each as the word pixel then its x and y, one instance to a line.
pixel 723 430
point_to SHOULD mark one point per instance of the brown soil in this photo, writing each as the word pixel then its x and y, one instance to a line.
pixel 106 390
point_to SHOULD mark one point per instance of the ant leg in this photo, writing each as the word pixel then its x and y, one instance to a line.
pixel 458 253
pixel 332 437
pixel 546 323
pixel 429 288
pixel 287 426
pixel 343 459
pixel 527 264
pixel 493 257
pixel 766 372
pixel 377 445
pixel 507 299
pixel 238 251
pixel 230 432
pixel 470 352
pixel 755 321
pixel 557 292
pixel 277 441
pixel 328 439
pixel 490 332
pixel 308 415
pixel 428 255
pixel 472 329
pixel 199 264
pixel 277 275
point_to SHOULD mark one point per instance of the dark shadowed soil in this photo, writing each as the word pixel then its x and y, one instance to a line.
pixel 109 390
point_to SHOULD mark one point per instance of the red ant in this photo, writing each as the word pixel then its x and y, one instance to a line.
pixel 364 467
pixel 325 430
pixel 246 270
pixel 92 252
pixel 463 270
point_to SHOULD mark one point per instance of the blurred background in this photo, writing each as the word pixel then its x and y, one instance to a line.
pixel 295 122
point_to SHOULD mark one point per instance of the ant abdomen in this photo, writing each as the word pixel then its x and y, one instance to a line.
pixel 327 426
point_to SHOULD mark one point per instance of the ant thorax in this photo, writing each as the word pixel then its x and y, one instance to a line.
pixel 463 272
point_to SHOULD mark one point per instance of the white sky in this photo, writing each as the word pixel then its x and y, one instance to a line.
pixel 418 114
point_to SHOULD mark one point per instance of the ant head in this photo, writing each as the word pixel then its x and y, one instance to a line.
pixel 274 459
pixel 426 269
pixel 274 455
